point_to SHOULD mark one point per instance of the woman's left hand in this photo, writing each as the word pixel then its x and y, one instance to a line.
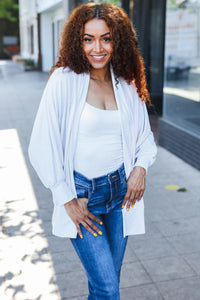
pixel 135 187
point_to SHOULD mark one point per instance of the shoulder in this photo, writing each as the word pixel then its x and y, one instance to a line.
pixel 66 73
pixel 137 106
pixel 128 86
pixel 65 86
pixel 131 91
pixel 65 80
pixel 61 74
pixel 136 98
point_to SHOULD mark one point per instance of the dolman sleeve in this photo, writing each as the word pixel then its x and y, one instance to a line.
pixel 45 148
pixel 146 149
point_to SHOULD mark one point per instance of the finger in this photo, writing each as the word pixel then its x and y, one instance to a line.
pixel 142 190
pixel 79 231
pixel 136 196
pixel 88 228
pixel 140 196
pixel 131 201
pixel 128 204
pixel 126 198
pixel 94 218
pixel 93 226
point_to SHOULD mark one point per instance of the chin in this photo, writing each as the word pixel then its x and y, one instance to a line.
pixel 99 65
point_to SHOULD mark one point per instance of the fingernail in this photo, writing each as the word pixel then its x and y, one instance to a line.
pixel 95 234
pixel 100 233
pixel 101 223
pixel 132 205
pixel 81 236
pixel 122 206
pixel 127 209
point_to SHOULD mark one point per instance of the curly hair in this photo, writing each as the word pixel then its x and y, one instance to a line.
pixel 126 59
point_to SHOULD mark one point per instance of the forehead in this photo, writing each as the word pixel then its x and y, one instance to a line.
pixel 96 26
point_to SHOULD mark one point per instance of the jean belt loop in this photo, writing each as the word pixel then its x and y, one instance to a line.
pixel 93 185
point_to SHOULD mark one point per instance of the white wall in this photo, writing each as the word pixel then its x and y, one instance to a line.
pixel 43 5
pixel 49 39
pixel 28 18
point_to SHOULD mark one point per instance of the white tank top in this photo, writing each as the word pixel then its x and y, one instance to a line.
pixel 99 142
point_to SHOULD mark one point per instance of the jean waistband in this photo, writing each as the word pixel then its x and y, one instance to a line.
pixel 110 177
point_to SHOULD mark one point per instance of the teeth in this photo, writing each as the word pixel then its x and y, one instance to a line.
pixel 98 56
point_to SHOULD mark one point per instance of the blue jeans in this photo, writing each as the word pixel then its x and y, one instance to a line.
pixel 102 256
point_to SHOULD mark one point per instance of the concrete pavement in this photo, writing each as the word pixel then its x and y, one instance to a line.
pixel 162 264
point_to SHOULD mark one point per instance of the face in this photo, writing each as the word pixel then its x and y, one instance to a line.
pixel 97 43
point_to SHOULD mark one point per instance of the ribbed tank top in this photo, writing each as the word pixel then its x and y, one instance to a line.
pixel 99 142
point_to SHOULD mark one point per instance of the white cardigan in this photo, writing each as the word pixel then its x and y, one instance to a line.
pixel 54 136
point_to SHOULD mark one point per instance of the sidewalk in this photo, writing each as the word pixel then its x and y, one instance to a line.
pixel 34 265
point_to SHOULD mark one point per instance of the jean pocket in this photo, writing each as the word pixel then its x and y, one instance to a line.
pixel 81 190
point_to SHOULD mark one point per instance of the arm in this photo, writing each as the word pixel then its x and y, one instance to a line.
pixel 146 149
pixel 45 148
pixel 145 155
pixel 46 156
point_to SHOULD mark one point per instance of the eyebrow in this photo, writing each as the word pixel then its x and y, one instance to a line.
pixel 93 35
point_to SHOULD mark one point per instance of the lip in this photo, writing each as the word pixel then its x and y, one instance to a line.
pixel 98 57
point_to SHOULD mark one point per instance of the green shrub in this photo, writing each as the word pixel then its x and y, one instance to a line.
pixel 29 62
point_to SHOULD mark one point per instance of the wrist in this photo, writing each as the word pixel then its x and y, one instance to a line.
pixel 141 170
pixel 67 204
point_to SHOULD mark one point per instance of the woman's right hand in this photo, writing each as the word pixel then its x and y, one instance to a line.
pixel 79 213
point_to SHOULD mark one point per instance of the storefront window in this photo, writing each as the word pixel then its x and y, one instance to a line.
pixel 182 64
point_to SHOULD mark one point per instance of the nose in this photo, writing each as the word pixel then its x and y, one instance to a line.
pixel 97 46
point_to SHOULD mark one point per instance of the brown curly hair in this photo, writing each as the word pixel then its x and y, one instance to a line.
pixel 126 59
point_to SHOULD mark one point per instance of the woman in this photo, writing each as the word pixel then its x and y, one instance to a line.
pixel 92 144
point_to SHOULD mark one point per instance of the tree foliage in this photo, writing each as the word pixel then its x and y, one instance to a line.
pixel 9 10
pixel 179 3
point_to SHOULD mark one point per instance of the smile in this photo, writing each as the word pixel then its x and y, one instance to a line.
pixel 98 57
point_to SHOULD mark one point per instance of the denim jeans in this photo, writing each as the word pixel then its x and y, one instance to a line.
pixel 102 256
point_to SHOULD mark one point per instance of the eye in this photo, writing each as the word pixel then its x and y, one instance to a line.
pixel 87 40
pixel 107 39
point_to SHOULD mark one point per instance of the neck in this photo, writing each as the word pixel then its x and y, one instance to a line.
pixel 102 75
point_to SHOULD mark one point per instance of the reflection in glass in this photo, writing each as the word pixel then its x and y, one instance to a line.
pixel 182 64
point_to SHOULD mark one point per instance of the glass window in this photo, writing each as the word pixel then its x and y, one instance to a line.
pixel 182 64
pixel 115 2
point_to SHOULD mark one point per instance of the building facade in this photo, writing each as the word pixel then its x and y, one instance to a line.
pixel 180 123
pixel 169 37
pixel 40 28
pixel 51 16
